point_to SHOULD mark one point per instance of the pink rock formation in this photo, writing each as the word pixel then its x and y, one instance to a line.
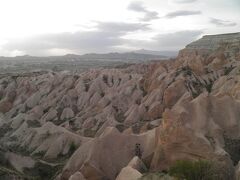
pixel 186 108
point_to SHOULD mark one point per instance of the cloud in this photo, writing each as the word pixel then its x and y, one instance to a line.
pixel 106 36
pixel 150 16
pixel 168 41
pixel 138 6
pixel 184 1
pixel 222 23
pixel 182 13
pixel 177 39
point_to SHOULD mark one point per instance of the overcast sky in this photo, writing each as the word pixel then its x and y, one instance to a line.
pixel 57 27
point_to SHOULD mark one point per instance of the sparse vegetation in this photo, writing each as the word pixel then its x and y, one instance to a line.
pixel 120 127
pixel 227 70
pixel 4 129
pixel 34 123
pixel 209 86
pixel 72 148
pixel 105 79
pixel 194 94
pixel 89 133
pixel 6 173
pixel 102 94
pixel 20 149
pixel 137 127
pixel 42 171
pixel 39 154
pixel 120 117
pixel 156 176
pixel 194 170
pixel 232 146
pixel 186 71
pixel 144 92
pixel 3 161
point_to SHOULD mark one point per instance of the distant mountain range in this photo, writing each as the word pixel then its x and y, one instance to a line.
pixel 138 55
pixel 73 62
pixel 128 56
pixel 161 53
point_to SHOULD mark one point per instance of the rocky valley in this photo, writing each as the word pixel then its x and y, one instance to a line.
pixel 125 123
pixel 76 63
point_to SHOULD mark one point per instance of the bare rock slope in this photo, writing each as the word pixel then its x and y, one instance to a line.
pixel 87 125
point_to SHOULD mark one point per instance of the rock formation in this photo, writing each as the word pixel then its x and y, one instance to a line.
pixel 90 122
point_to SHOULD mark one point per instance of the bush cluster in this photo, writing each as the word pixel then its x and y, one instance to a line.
pixel 193 170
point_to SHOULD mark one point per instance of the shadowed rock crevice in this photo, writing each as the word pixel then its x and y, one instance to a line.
pixel 232 146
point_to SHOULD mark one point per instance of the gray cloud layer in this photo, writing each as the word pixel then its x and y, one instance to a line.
pixel 107 38
pixel 168 41
pixel 182 13
pixel 222 23
pixel 178 39
pixel 138 6
pixel 103 39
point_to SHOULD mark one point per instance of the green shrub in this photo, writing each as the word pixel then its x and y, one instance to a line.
pixel 193 170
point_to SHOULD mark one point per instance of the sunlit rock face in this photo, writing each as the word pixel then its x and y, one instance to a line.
pixel 186 108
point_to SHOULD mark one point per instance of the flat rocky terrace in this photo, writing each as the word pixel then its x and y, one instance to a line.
pixel 213 42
